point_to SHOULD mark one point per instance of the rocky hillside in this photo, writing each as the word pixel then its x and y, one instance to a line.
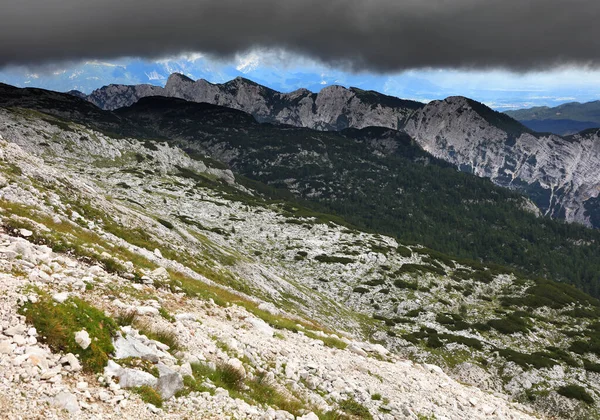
pixel 132 290
pixel 374 178
pixel 561 175
pixel 558 173
pixel 333 108
pixel 146 279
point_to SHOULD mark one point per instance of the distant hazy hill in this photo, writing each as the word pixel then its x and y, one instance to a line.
pixel 560 127
pixel 563 119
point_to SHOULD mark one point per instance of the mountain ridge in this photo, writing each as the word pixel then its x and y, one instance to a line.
pixel 333 108
pixel 566 119
pixel 558 185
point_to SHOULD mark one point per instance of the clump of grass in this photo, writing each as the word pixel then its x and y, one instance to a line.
pixel 164 336
pixel 376 397
pixel 223 376
pixel 255 391
pixel 262 392
pixel 148 395
pixel 576 392
pixel 166 315
pixel 329 341
pixel 356 409
pixel 57 324
pixel 223 297
pixel 125 318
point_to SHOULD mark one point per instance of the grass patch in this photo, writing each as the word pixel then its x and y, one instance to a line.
pixel 57 324
pixel 255 391
pixel 148 395
pixel 164 336
pixel 166 315
pixel 126 318
pixel 356 409
pixel 332 342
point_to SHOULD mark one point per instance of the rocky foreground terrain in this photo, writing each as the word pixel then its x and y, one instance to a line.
pixel 141 281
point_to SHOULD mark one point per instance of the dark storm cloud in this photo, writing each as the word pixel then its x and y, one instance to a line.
pixel 380 35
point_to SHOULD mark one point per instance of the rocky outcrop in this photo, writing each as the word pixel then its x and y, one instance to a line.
pixel 333 108
pixel 561 175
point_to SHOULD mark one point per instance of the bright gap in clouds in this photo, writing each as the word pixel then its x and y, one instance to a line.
pixel 283 71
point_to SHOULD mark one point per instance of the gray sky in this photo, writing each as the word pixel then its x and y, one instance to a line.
pixel 375 35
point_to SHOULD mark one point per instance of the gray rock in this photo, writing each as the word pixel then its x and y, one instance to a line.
pixel 15 330
pixel 132 347
pixel 160 274
pixel 357 350
pixel 6 347
pixel 566 170
pixel 60 297
pixel 72 361
pixel 82 338
pixel 132 378
pixel 67 401
pixel 238 366
pixel 169 382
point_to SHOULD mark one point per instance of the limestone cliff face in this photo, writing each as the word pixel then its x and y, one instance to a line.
pixel 334 108
pixel 562 175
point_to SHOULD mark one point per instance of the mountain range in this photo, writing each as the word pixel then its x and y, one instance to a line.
pixel 564 119
pixel 560 174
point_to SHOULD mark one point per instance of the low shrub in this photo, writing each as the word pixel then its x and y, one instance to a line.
pixel 332 259
pixel 526 361
pixel 510 324
pixel 576 392
pixel 166 223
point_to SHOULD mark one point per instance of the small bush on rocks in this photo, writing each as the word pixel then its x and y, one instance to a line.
pixel 576 392
pixel 57 324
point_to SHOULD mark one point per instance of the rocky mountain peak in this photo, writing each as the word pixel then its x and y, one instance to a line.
pixel 179 77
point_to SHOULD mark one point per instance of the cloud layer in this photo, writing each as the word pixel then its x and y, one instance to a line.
pixel 375 35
